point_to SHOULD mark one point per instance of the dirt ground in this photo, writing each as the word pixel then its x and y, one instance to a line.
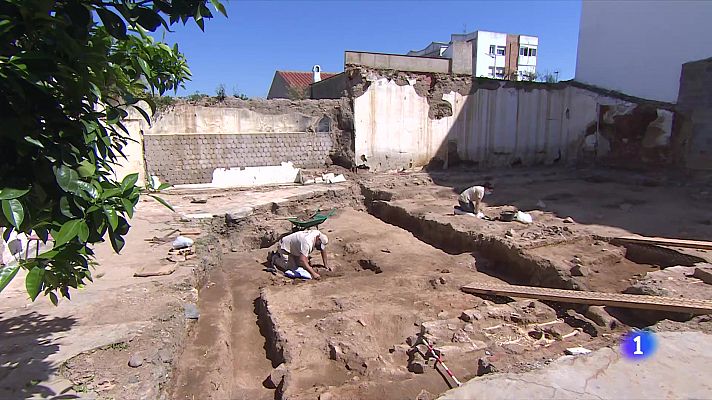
pixel 398 258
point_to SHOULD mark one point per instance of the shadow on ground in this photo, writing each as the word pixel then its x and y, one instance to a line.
pixel 26 341
pixel 646 203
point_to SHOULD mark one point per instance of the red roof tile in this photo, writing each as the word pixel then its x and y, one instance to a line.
pixel 301 79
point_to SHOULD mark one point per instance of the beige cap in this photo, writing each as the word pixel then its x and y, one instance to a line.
pixel 324 239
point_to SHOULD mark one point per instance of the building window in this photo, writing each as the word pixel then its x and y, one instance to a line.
pixel 500 72
pixel 500 50
pixel 491 72
pixel 491 49
pixel 527 52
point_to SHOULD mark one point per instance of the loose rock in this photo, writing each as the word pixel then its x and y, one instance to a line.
pixel 471 315
pixel 704 273
pixel 577 320
pixel 276 376
pixel 135 361
pixel 335 352
pixel 416 367
pixel 601 317
pixel 580 270
pixel 568 220
pixel 484 366
pixel 425 395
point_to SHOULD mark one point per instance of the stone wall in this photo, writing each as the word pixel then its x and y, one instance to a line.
pixel 695 106
pixel 189 140
pixel 181 159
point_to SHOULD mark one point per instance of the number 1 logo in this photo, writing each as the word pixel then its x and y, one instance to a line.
pixel 638 345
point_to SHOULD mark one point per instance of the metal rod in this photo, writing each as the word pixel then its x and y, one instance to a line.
pixel 440 360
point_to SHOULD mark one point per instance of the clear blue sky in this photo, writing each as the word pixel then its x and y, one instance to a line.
pixel 259 37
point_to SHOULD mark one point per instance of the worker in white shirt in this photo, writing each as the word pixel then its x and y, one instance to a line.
pixel 292 255
pixel 471 198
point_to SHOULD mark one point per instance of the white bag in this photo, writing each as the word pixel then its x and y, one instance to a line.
pixel 182 242
pixel 523 217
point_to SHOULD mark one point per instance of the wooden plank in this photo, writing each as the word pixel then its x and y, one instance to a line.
pixel 693 244
pixel 692 306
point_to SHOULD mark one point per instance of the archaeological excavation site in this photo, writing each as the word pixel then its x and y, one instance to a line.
pixel 592 233
pixel 406 231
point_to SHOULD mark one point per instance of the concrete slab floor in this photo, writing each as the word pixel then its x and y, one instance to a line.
pixel 678 369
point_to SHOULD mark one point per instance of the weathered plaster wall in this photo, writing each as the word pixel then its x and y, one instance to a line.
pixel 189 140
pixel 406 120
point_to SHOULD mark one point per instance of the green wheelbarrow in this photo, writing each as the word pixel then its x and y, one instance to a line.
pixel 316 219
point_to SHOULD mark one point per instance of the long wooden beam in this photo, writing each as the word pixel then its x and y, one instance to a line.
pixel 659 303
pixel 693 244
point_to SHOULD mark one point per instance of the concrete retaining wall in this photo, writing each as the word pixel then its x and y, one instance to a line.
pixel 397 62
pixel 500 124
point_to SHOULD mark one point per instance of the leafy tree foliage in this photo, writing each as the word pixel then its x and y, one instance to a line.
pixel 69 72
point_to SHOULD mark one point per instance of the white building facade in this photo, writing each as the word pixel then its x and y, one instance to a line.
pixel 638 47
pixel 494 55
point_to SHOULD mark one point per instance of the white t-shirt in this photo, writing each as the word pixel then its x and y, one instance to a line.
pixel 473 194
pixel 299 243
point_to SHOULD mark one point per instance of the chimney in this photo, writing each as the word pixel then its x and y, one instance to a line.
pixel 317 73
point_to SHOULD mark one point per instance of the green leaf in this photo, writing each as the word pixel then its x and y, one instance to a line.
pixel 6 274
pixel 128 206
pixel 112 217
pixel 218 6
pixel 10 193
pixel 67 232
pixel 86 169
pixel 53 298
pixel 117 242
pixel 163 186
pixel 34 141
pixel 145 68
pixel 143 113
pixel 33 282
pixel 65 208
pixel 113 23
pixel 13 211
pixel 149 19
pixel 83 233
pixel 129 181
pixel 165 203
pixel 66 178
pixel 90 189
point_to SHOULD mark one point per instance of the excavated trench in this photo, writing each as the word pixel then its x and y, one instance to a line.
pixel 495 257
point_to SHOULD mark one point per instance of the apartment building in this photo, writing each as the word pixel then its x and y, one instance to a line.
pixel 494 55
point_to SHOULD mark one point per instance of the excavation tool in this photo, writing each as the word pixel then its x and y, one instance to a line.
pixel 435 355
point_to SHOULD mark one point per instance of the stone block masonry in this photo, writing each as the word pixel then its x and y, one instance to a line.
pixel 191 158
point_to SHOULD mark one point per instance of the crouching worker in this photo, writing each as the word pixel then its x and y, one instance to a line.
pixel 471 198
pixel 292 255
